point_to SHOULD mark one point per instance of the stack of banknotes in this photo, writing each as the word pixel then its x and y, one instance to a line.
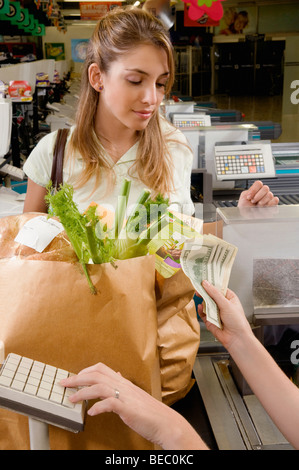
pixel 208 258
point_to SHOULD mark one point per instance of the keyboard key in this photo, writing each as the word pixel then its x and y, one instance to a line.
pixel 58 389
pixel 45 384
pixel 67 402
pixel 8 373
pixel 20 376
pixel 43 393
pixel 33 381
pixel 56 397
pixel 17 385
pixel 36 374
pixel 26 362
pixel 31 389
pixel 47 379
pixel 23 370
pixel 5 380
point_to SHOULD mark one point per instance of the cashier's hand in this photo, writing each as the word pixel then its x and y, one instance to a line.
pixel 144 414
pixel 234 321
pixel 257 195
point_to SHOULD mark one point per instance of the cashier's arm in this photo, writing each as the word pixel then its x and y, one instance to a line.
pixel 35 198
pixel 278 395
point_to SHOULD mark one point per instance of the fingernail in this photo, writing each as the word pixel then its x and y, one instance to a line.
pixel 205 283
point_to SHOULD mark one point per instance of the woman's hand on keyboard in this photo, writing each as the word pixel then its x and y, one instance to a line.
pixel 258 195
pixel 143 413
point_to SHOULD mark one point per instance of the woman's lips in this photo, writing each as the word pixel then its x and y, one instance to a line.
pixel 144 114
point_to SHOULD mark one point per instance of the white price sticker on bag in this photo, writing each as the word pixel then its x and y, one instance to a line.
pixel 38 232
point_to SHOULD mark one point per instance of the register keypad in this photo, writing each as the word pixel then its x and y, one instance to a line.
pixel 239 164
pixel 189 123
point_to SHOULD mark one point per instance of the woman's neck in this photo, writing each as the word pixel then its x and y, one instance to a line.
pixel 116 148
pixel 115 138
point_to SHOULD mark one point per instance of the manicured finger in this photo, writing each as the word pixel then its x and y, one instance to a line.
pixel 99 367
pixel 98 391
pixel 80 380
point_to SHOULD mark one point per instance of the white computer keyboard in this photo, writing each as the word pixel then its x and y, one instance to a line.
pixel 32 388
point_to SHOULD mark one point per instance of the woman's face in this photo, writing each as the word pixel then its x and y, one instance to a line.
pixel 240 23
pixel 134 87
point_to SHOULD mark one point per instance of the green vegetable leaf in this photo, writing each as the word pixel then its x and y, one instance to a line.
pixel 80 228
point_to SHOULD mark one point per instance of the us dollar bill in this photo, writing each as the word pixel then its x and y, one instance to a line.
pixel 208 258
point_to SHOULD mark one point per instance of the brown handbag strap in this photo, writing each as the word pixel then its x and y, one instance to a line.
pixel 58 157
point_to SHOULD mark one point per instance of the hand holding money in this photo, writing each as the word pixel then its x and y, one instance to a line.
pixel 210 258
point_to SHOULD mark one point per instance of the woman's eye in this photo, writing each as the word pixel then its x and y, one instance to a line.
pixel 134 82
pixel 161 85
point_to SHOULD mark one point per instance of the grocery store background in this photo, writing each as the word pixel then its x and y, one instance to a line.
pixel 255 71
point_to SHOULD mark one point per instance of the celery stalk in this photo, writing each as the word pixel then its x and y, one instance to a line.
pixel 78 250
pixel 91 286
pixel 92 245
pixel 121 207
pixel 140 202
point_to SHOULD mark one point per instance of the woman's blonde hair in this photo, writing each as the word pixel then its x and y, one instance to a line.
pixel 115 34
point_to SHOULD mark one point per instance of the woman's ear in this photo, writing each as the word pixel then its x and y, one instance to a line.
pixel 94 75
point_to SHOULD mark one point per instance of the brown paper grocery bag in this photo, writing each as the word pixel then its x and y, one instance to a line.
pixel 178 335
pixel 47 313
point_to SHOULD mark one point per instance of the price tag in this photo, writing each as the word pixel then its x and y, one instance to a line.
pixel 38 232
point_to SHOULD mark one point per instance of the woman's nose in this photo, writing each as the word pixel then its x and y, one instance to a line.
pixel 149 95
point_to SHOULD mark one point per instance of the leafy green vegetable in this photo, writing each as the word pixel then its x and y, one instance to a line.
pixel 92 241
pixel 80 228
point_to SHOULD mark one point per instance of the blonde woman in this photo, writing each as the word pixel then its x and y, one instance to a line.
pixel 119 132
